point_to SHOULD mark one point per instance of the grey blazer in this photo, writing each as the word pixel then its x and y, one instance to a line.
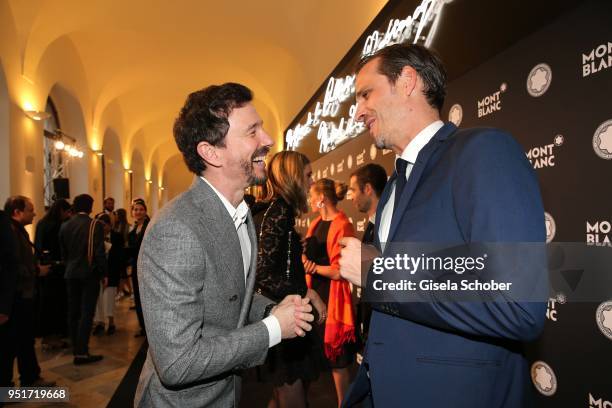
pixel 203 323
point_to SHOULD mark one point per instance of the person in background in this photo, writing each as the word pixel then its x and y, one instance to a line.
pixel 53 305
pixel 141 221
pixel 21 322
pixel 82 245
pixel 366 184
pixel 105 308
pixel 108 207
pixel 122 228
pixel 321 257
pixel 294 363
pixel 8 284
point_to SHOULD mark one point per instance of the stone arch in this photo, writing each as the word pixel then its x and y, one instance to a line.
pixel 138 175
pixel 73 124
pixel 5 163
pixel 114 171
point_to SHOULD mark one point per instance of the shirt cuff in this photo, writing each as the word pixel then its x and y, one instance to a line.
pixel 274 330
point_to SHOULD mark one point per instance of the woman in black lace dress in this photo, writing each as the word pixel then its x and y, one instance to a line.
pixel 280 272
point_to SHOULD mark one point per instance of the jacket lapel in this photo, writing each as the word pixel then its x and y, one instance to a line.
pixel 250 282
pixel 416 173
pixel 223 232
pixel 384 197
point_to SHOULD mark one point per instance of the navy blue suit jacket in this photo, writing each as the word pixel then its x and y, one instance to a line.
pixel 467 186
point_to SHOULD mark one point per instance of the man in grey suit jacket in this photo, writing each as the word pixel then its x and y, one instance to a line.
pixel 197 263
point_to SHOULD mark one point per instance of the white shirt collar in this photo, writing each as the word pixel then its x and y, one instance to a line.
pixel 372 219
pixel 238 214
pixel 411 151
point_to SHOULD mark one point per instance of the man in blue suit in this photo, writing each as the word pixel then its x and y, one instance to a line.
pixel 454 186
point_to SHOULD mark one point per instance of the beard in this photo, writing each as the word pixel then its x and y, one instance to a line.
pixel 380 142
pixel 249 170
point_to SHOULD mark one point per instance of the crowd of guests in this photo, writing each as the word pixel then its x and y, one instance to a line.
pixel 63 286
pixel 308 266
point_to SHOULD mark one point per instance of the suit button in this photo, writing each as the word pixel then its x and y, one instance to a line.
pixel 233 298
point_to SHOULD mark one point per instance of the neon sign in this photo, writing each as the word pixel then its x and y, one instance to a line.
pixel 338 90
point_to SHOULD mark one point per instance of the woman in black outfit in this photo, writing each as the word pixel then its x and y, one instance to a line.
pixel 135 236
pixel 291 364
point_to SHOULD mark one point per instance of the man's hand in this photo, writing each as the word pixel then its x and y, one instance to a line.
pixel 3 319
pixel 293 315
pixel 355 257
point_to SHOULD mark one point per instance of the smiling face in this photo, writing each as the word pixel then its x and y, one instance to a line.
pixel 138 212
pixel 246 146
pixel 381 105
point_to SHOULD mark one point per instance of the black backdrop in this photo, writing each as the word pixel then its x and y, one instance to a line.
pixel 542 71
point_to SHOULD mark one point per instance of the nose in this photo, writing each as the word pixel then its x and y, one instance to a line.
pixel 360 112
pixel 265 139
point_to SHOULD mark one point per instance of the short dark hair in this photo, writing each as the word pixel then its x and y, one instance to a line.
pixel 427 64
pixel 372 173
pixel 83 203
pixel 15 203
pixel 55 211
pixel 204 118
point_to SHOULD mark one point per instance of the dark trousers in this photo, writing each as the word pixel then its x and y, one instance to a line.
pixel 17 341
pixel 82 298
pixel 137 297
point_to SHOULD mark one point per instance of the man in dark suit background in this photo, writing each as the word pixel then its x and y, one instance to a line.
pixel 18 318
pixel 82 245
pixel 449 186
pixel 366 184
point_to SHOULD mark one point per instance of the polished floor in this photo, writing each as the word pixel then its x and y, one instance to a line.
pixel 93 385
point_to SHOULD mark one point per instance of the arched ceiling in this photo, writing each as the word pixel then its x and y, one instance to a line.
pixel 140 59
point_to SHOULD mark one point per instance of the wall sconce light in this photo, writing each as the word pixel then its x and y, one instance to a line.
pixel 149 181
pixel 99 153
pixel 37 115
pixel 161 188
pixel 59 145
pixel 129 171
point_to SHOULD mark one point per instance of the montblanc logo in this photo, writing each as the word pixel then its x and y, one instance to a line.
pixel 602 140
pixel 361 158
pixel 544 378
pixel 598 233
pixel 603 316
pixel 552 306
pixel 598 402
pixel 332 169
pixel 551 227
pixel 340 166
pixel 544 156
pixel 491 103
pixel 598 59
pixel 349 161
pixel 539 79
pixel 455 114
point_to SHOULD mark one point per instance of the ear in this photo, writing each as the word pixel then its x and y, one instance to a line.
pixel 367 189
pixel 209 153
pixel 408 80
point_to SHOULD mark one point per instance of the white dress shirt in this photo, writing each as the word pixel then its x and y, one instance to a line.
pixel 409 154
pixel 239 216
